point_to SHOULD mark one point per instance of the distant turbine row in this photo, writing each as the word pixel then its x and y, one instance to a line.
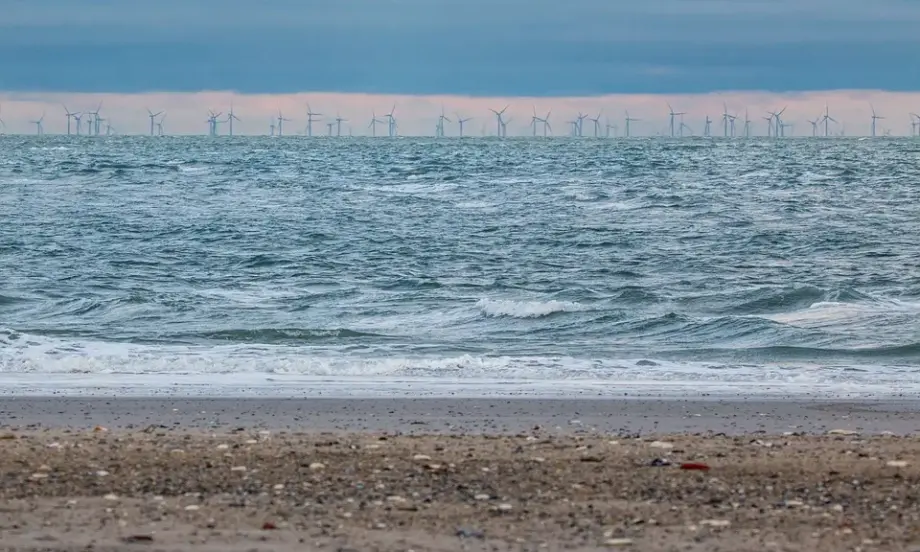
pixel 776 126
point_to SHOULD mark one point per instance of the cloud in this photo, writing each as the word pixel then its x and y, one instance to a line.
pixel 459 47
pixel 186 112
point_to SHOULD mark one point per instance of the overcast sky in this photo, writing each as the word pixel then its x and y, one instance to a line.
pixel 464 47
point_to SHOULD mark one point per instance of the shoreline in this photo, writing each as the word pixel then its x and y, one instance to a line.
pixel 285 475
pixel 501 416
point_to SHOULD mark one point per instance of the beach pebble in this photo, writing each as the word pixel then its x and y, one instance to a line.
pixel 111 496
pixel 842 432
pixel 102 473
pixel 192 508
pixel 39 475
pixel 505 507
pixel 482 496
pixel 661 445
pixel 716 522
pixel 896 463
pixel 618 542
pixel 252 442
pixel 223 446
pixel 421 458
pixel 54 445
pixel 316 466
pixel 793 503
pixel 238 469
pixel 395 498
pixel 278 487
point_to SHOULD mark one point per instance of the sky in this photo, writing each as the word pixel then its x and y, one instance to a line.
pixel 353 55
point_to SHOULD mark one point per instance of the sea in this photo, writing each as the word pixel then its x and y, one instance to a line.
pixel 459 267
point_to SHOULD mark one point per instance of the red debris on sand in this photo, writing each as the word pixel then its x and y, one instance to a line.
pixel 694 466
pixel 268 526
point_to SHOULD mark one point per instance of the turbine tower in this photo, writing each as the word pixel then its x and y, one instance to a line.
pixel 673 114
pixel 534 120
pixel 913 124
pixel 281 121
pixel 160 126
pixel 69 116
pixel 580 121
pixel 461 121
pixel 814 126
pixel 708 125
pixel 499 123
pixel 629 120
pixel 310 119
pixel 153 117
pixel 338 124
pixel 212 122
pixel 747 124
pixel 875 117
pixel 230 117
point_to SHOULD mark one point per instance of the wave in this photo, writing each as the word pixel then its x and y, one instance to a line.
pixel 525 309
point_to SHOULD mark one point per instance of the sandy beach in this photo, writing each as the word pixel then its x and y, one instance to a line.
pixel 378 474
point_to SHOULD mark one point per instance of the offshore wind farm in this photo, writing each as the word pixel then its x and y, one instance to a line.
pixel 606 123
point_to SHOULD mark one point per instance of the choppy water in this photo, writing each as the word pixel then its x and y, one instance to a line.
pixel 704 263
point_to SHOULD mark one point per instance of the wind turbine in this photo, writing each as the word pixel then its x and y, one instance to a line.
pixel 2 123
pixel 629 120
pixel 153 116
pixel 440 127
pixel 534 120
pixel 684 126
pixel 338 122
pixel 160 125
pixel 707 127
pixel 96 119
pixel 581 122
pixel 913 125
pixel 109 129
pixel 271 126
pixel 505 127
pixel 310 119
pixel 329 129
pixel 545 121
pixel 769 120
pixel 725 118
pixel 597 124
pixel 814 126
pixel 611 126
pixel 39 128
pixel 69 116
pixel 281 121
pixel 875 117
pixel 230 117
pixel 391 122
pixel 827 117
pixel 779 129
pixel 499 123
pixel 212 121
pixel 673 114
pixel 373 123
pixel 460 121
pixel 747 124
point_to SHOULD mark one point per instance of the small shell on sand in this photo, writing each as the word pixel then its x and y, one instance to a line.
pixel 661 445
pixel 421 458
pixel 618 542
pixel 315 466
pixel 896 463
pixel 111 496
pixel 842 432
pixel 192 508
pixel 238 469
pixel 716 522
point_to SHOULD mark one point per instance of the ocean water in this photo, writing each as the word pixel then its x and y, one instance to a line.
pixel 484 266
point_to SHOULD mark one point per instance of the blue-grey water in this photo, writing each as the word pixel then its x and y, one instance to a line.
pixel 692 263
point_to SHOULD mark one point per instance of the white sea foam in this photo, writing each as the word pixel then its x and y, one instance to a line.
pixel 525 309
pixel 38 365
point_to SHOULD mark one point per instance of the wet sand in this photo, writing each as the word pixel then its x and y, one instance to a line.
pixel 378 474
